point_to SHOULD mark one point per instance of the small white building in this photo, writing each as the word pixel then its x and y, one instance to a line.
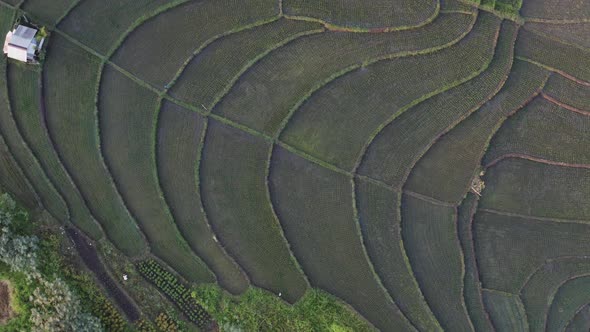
pixel 21 44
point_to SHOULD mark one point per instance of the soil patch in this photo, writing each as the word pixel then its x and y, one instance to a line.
pixel 6 311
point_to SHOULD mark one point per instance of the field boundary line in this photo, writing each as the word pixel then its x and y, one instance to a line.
pixel 472 212
pixel 334 76
pixel 58 189
pixel 554 39
pixel 67 12
pixel 211 40
pixel 27 150
pixel 561 104
pixel 538 218
pixel 182 241
pixel 519 302
pixel 555 70
pixel 557 22
pixel 222 94
pixel 197 179
pixel 376 276
pixel 549 261
pixel 535 159
pixel 428 199
pixel 552 297
pixel 268 195
pixel 463 269
pixel 487 98
pixel 571 320
pixel 343 28
pixel 423 98
pixel 499 125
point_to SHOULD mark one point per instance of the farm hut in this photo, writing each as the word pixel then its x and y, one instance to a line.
pixel 21 44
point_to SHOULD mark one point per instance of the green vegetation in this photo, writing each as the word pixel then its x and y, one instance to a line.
pixel 257 310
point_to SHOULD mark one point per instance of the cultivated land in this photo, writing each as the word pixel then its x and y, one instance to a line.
pixel 396 165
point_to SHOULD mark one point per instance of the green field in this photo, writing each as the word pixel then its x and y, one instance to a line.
pixel 298 165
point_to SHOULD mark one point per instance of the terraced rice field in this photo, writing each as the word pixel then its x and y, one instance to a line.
pixel 425 162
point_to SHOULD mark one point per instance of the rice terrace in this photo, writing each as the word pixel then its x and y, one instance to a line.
pixel 295 165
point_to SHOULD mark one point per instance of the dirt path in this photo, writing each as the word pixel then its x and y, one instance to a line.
pixel 5 308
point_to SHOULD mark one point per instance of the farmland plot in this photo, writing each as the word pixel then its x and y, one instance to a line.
pixel 221 63
pixel 71 123
pixel 380 226
pixel 315 208
pixel 289 75
pixel 360 101
pixel 572 295
pixel 419 127
pixel 554 54
pixel 171 38
pixel 526 135
pixel 506 311
pixel 48 12
pixel 101 23
pixel 446 170
pixel 506 261
pixel 430 236
pixel 568 92
pixel 25 93
pixel 127 116
pixel 576 34
pixel 179 136
pixel 375 14
pixel 556 9
pixel 540 289
pixel 234 191
pixel 533 188
pixel 14 181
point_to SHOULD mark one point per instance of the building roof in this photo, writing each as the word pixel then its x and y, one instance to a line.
pixel 23 36
pixel 20 44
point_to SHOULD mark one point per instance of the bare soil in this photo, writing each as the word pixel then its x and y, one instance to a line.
pixel 6 311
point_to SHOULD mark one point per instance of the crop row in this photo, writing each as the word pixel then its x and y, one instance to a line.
pixel 419 127
pixel 178 293
pixel 445 172
pixel 283 81
pixel 361 100
pixel 556 10
pixel 569 92
pixel 506 311
pixel 380 226
pixel 180 135
pixel 377 15
pixel 127 120
pixel 540 289
pixel 526 134
pixel 181 30
pixel 471 279
pixel 571 295
pixel 315 207
pixel 28 104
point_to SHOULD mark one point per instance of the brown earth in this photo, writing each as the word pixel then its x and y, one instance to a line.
pixel 6 311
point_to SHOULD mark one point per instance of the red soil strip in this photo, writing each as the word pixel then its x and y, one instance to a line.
pixel 535 159
pixel 564 105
